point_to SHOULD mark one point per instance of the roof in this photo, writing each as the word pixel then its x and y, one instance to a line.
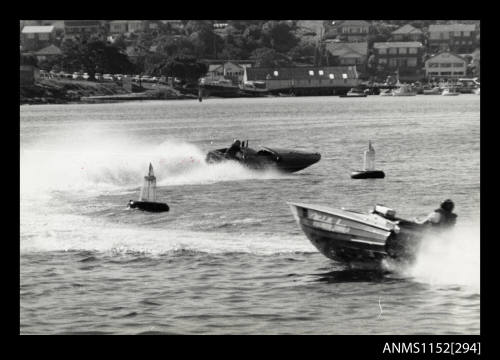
pixel 37 29
pixel 407 29
pixel 354 23
pixel 397 44
pixel 118 22
pixel 49 50
pixel 343 48
pixel 298 73
pixel 446 52
pixel 68 23
pixel 452 27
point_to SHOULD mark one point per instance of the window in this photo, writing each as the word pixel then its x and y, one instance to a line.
pixel 332 76
pixel 403 50
pixel 382 51
pixel 393 51
pixel 393 62
pixel 458 33
pixel 458 64
pixel 43 36
pixel 321 72
pixel 433 73
pixel 432 65
pixel 458 73
pixel 382 61
pixel 445 65
pixel 466 33
pixel 275 73
pixel 344 76
pixel 411 62
pixel 445 72
pixel 30 36
pixel 412 50
pixel 311 72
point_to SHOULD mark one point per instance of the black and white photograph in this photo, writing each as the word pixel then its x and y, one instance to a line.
pixel 250 177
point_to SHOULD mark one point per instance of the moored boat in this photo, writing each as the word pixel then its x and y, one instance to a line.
pixel 386 92
pixel 450 91
pixel 354 92
pixel 434 91
pixel 357 238
pixel 404 90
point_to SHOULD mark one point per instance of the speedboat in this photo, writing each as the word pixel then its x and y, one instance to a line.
pixel 357 238
pixel 282 159
pixel 354 93
pixel 450 91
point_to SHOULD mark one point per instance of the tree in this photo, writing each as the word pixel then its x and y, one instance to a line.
pixel 94 56
pixel 186 68
pixel 265 57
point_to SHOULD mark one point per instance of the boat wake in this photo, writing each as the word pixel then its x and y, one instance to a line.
pixel 96 166
pixel 80 233
pixel 453 258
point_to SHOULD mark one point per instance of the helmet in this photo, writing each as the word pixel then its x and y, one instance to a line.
pixel 447 205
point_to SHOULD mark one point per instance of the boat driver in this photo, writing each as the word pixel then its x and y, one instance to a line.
pixel 234 149
pixel 443 216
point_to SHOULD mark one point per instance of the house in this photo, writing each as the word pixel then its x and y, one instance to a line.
pixel 83 28
pixel 307 77
pixel 445 65
pixel 36 37
pixel 28 74
pixel 407 33
pixel 405 57
pixel 349 53
pixel 353 30
pixel 136 25
pixel 458 38
pixel 118 27
pixel 48 52
pixel 228 70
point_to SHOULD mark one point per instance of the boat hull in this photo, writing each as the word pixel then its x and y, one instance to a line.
pixel 280 159
pixel 351 237
pixel 149 206
pixel 369 174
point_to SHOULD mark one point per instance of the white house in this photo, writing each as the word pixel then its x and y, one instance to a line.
pixel 446 65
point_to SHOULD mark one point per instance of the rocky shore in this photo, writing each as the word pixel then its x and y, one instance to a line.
pixel 63 91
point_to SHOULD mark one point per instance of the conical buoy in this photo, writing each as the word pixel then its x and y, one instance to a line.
pixel 368 171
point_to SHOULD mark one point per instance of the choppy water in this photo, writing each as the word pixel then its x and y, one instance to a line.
pixel 229 258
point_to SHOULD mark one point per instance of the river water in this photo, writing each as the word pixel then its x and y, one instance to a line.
pixel 229 258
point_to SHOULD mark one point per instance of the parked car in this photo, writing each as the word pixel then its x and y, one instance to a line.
pixel 118 77
pixel 108 77
pixel 98 76
pixel 85 76
pixel 77 76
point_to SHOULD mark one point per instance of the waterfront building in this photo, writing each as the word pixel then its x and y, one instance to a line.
pixel 403 57
pixel 348 54
pixel 305 79
pixel 353 30
pixel 36 37
pixel 457 38
pixel 228 70
pixel 446 65
pixel 48 52
pixel 83 28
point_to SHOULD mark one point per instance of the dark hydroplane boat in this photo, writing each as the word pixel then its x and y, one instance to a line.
pixel 368 171
pixel 264 158
pixel 147 200
pixel 357 238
